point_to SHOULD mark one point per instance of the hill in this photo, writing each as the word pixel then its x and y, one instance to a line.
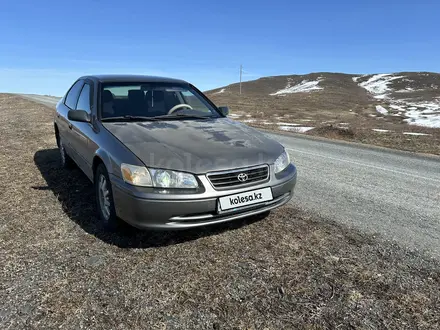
pixel 367 108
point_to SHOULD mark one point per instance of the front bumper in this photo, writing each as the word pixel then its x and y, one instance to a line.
pixel 145 210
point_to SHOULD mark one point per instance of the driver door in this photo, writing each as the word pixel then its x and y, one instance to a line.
pixel 83 133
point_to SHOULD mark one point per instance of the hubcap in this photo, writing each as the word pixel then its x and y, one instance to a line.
pixel 104 196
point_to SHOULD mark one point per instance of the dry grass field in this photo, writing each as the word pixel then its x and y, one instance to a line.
pixel 285 270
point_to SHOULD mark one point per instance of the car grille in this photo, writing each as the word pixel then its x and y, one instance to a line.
pixel 226 179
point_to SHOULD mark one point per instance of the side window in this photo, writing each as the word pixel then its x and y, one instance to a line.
pixel 84 99
pixel 72 96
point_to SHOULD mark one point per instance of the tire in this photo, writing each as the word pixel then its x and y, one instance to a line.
pixel 65 160
pixel 104 200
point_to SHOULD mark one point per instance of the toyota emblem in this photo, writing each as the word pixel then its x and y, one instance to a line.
pixel 242 177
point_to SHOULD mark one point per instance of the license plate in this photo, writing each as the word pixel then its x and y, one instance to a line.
pixel 246 198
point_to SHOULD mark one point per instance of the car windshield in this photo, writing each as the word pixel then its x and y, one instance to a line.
pixel 149 101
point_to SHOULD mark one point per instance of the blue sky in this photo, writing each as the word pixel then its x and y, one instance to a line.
pixel 44 47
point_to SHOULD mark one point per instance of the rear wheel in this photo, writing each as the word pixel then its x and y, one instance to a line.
pixel 104 199
pixel 65 160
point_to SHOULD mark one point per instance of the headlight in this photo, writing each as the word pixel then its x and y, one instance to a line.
pixel 173 179
pixel 136 175
pixel 282 162
pixel 141 176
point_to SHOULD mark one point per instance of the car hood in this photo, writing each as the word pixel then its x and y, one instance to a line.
pixel 196 146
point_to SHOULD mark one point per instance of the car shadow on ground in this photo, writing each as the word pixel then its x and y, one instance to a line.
pixel 76 194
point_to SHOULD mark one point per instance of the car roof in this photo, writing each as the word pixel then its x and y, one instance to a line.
pixel 108 78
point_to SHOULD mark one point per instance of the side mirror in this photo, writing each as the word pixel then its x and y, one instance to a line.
pixel 224 111
pixel 78 115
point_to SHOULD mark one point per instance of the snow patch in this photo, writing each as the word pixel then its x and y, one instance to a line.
pixel 422 113
pixel 287 124
pixel 397 107
pixel 414 133
pixel 234 115
pixel 377 85
pixel 301 129
pixel 417 113
pixel 305 86
pixel 434 106
pixel 426 121
pixel 381 110
pixel 425 114
pixel 408 90
pixel 220 91
pixel 380 130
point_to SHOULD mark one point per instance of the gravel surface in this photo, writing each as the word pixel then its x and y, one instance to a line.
pixel 43 99
pixel 290 269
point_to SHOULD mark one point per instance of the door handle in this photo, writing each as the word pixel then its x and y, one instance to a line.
pixel 70 126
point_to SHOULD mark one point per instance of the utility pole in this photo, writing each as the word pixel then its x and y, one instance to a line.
pixel 241 72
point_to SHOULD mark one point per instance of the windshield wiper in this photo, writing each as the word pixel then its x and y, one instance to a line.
pixel 182 116
pixel 155 118
pixel 129 118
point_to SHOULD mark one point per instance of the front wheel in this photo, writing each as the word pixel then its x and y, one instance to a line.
pixel 104 199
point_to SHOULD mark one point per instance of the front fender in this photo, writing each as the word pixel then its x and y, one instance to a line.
pixel 113 153
pixel 102 156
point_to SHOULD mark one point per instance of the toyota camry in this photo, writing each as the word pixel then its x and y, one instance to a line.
pixel 161 155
